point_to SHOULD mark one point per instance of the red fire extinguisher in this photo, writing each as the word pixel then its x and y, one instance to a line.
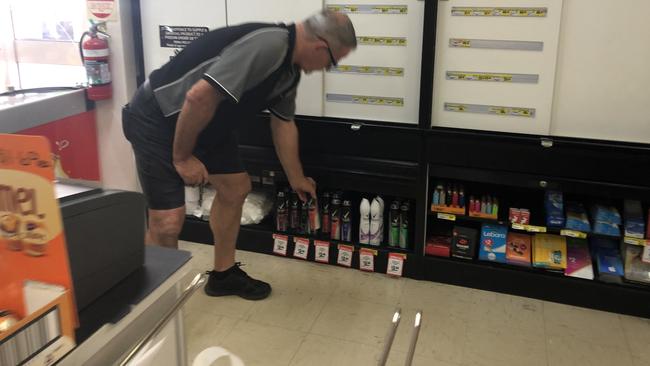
pixel 94 55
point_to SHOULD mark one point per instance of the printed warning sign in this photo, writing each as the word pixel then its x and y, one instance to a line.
pixel 179 36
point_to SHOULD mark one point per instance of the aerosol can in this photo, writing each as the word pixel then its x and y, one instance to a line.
pixel 364 222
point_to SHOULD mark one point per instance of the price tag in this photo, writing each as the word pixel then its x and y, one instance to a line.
pixel 518 226
pixel 345 255
pixel 535 229
pixel 446 216
pixel 280 244
pixel 395 264
pixel 301 250
pixel 635 241
pixel 322 251
pixel 573 234
pixel 367 259
pixel 646 254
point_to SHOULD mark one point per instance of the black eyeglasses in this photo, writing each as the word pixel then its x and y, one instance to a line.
pixel 329 51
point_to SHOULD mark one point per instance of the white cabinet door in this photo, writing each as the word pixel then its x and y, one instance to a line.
pixel 380 80
pixel 176 21
pixel 495 65
pixel 603 77
pixel 310 91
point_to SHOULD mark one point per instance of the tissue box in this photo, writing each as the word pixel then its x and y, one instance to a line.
pixel 493 243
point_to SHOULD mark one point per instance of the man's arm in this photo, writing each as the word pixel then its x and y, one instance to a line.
pixel 201 102
pixel 285 139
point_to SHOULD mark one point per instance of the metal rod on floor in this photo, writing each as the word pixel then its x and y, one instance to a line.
pixel 414 338
pixel 198 280
pixel 390 336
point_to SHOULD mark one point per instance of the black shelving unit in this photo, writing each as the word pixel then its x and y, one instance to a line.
pixel 404 160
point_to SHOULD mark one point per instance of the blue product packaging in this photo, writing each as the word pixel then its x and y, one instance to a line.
pixel 610 264
pixel 576 217
pixel 554 209
pixel 493 243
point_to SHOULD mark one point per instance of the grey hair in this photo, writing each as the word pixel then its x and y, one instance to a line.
pixel 335 27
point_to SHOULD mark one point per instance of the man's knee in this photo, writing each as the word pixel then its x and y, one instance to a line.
pixel 168 224
pixel 234 192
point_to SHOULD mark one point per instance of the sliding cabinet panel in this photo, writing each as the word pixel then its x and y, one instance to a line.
pixel 380 80
pixel 495 65
pixel 603 76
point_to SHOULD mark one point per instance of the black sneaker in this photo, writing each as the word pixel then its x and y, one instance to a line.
pixel 236 282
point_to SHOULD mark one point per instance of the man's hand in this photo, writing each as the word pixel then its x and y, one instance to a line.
pixel 304 186
pixel 192 171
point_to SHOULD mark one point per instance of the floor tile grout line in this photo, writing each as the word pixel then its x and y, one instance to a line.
pixel 546 350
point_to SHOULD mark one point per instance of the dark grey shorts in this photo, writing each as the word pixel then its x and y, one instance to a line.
pixel 152 146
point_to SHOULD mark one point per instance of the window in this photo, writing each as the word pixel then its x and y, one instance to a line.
pixel 39 43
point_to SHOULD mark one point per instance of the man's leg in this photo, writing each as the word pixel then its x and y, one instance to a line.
pixel 225 215
pixel 165 226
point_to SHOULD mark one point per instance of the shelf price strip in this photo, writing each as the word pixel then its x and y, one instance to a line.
pixel 381 41
pixel 490 109
pixel 364 99
pixel 573 234
pixel 493 77
pixel 529 228
pixel 369 9
pixel 367 70
pixel 496 44
pixel 466 11
pixel 446 216
pixel 636 241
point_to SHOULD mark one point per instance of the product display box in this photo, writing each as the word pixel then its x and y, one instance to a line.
pixel 549 251
pixel 518 250
pixel 37 301
pixel 578 259
pixel 635 268
pixel 463 242
pixel 608 259
pixel 493 243
pixel 439 246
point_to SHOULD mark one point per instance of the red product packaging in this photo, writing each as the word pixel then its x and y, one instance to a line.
pixel 515 215
pixel 525 216
pixel 439 246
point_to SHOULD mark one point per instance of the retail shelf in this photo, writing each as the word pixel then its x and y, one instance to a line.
pixel 622 298
pixel 259 238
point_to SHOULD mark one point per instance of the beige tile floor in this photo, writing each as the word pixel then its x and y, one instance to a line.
pixel 327 315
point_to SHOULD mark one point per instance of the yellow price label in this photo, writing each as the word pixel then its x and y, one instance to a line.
pixel 573 234
pixel 446 216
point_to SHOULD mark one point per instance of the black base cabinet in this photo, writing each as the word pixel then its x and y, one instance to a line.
pixel 404 161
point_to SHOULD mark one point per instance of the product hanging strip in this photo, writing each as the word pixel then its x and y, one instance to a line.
pixel 369 9
pixel 367 70
pixel 496 44
pixel 365 99
pixel 498 12
pixel 494 77
pixel 490 109
pixel 382 41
